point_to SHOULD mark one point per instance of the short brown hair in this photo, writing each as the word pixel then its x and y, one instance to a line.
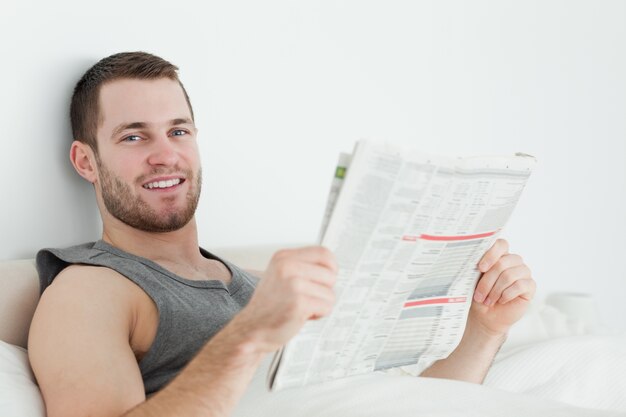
pixel 84 110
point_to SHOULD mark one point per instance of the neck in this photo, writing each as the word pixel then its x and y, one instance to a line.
pixel 180 246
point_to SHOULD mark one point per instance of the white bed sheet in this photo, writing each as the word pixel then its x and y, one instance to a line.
pixel 587 371
pixel 536 374
pixel 551 365
pixel 382 394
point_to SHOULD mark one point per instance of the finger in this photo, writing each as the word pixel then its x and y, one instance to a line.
pixel 488 279
pixel 315 273
pixel 523 288
pixel 505 280
pixel 292 267
pixel 307 290
pixel 313 254
pixel 499 249
pixel 314 301
pixel 320 308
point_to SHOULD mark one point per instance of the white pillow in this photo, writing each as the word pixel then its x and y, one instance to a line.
pixel 19 394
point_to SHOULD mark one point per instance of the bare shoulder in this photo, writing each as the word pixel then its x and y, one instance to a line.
pixel 91 283
pixel 89 296
pixel 79 344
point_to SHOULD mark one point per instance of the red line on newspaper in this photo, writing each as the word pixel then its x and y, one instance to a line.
pixel 459 237
pixel 444 300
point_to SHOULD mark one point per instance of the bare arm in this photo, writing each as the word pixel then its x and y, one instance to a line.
pixel 471 360
pixel 213 381
pixel 82 359
pixel 79 347
pixel 80 353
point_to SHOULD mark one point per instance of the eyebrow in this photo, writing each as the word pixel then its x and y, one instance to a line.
pixel 142 125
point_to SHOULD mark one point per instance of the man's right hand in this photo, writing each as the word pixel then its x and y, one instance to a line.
pixel 297 286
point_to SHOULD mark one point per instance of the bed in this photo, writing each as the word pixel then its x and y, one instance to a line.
pixel 551 365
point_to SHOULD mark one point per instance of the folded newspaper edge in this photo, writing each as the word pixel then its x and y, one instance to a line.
pixel 408 229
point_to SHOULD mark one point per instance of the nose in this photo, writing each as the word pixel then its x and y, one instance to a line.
pixel 163 152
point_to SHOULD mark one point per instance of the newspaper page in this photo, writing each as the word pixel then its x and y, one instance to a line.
pixel 408 230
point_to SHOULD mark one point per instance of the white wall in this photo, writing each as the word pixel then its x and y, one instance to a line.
pixel 280 87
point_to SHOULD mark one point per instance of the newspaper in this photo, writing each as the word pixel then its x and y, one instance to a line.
pixel 408 230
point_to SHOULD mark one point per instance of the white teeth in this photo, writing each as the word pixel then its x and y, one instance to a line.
pixel 162 184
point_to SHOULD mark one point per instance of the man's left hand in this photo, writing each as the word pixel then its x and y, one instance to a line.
pixel 503 292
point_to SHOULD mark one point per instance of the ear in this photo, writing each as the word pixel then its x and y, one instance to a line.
pixel 84 161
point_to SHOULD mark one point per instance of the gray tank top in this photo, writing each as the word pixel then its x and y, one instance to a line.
pixel 190 311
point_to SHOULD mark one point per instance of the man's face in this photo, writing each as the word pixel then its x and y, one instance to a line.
pixel 149 171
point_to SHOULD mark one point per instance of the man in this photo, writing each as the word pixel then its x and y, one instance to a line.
pixel 144 322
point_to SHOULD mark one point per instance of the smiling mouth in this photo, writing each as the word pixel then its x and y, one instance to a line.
pixel 163 184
